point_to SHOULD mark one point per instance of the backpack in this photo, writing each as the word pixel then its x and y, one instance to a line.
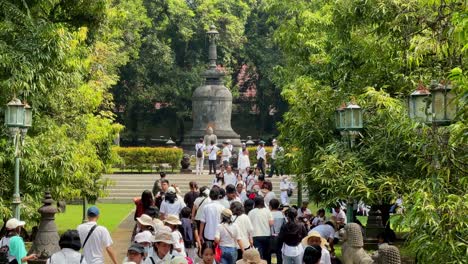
pixel 199 152
pixel 4 250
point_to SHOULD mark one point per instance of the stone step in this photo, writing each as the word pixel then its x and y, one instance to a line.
pixel 128 186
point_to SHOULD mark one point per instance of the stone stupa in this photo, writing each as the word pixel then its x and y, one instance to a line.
pixel 211 104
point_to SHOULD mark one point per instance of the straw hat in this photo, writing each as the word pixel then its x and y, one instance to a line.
pixel 164 236
pixel 314 234
pixel 251 256
pixel 227 212
pixel 172 219
pixel 145 220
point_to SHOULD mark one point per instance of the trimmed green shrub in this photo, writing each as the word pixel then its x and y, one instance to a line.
pixel 141 158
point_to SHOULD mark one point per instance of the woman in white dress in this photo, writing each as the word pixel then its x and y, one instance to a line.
pixel 243 161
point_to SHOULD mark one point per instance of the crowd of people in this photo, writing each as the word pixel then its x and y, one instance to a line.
pixel 237 219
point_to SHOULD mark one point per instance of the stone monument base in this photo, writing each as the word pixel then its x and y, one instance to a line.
pixel 185 171
pixel 193 137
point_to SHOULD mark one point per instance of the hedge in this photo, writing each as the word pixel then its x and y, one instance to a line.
pixel 141 158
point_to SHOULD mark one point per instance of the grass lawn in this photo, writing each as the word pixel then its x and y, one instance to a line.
pixel 111 216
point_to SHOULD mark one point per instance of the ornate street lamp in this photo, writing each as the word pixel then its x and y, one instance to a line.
pixel 348 120
pixel 419 104
pixel 18 118
pixel 443 106
pixel 435 106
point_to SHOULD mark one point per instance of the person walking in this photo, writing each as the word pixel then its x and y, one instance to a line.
pixel 172 204
pixel 228 237
pixel 243 161
pixel 135 254
pixel 277 151
pixel 285 186
pixel 212 152
pixel 229 176
pixel 261 157
pixel 192 195
pixel 211 217
pixel 17 253
pixel 95 238
pixel 200 154
pixel 162 247
pixel 70 246
pixel 262 219
pixel 226 155
pixel 245 227
pixel 278 221
pixel 290 237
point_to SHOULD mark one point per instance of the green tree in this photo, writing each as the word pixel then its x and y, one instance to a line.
pixel 377 51
pixel 62 57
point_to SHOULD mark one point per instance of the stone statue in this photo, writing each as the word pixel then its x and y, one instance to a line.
pixel 388 255
pixel 209 136
pixel 353 243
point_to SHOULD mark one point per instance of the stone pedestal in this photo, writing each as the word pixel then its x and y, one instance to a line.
pixel 373 228
pixel 47 238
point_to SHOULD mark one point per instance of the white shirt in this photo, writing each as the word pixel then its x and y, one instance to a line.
pixel 341 215
pixel 200 202
pixel 174 209
pixel 230 178
pixel 250 181
pixel 243 160
pixel 325 231
pixel 227 235
pixel 226 154
pixel 66 255
pixel 98 240
pixel 325 259
pixel 260 219
pixel 212 151
pixel 243 196
pixel 237 199
pixel 274 151
pixel 211 218
pixel 301 213
pixel 157 260
pixel 245 229
pixel 292 251
pixel 200 146
pixel 285 185
pixel 268 197
pixel 178 244
pixel 261 153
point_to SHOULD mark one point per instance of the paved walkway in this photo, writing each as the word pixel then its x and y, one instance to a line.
pixel 121 237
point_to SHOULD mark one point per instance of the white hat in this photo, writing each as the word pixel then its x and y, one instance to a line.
pixel 171 190
pixel 145 220
pixel 143 237
pixel 13 223
pixel 164 235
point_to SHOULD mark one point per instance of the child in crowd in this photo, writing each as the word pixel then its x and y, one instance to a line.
pixel 207 253
pixel 319 219
pixel 187 229
pixel 172 221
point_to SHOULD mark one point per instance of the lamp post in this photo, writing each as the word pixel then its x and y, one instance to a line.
pixel 18 118
pixel 436 108
pixel 348 120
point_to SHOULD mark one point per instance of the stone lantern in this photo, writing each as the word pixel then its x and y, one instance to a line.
pixel 211 103
pixel 47 238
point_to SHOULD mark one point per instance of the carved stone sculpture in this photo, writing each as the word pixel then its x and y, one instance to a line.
pixel 209 136
pixel 352 248
pixel 389 255
pixel 185 164
pixel 46 241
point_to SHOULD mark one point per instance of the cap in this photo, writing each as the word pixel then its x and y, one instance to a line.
pixel 274 140
pixel 172 219
pixel 226 212
pixel 171 190
pixel 143 237
pixel 261 142
pixel 137 248
pixel 93 211
pixel 13 223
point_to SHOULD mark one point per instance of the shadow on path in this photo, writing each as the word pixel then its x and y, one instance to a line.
pixel 121 237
